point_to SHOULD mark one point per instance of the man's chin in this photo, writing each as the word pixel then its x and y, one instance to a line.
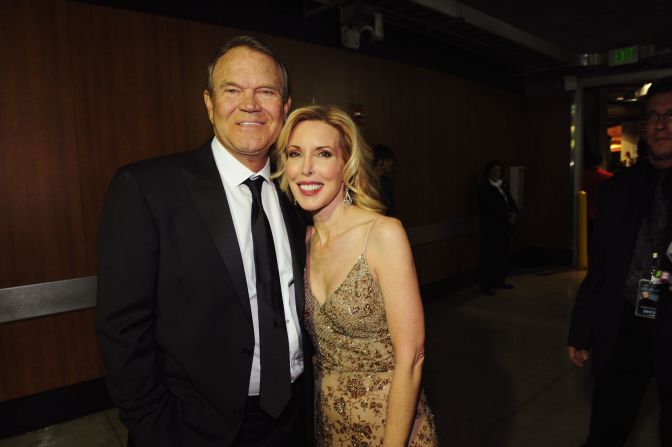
pixel 252 149
pixel 661 157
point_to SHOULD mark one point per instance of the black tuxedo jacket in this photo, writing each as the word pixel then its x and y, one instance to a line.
pixel 173 315
pixel 600 302
pixel 494 211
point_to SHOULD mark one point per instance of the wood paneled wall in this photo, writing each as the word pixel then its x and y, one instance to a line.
pixel 48 353
pixel 546 221
pixel 85 89
pixel 41 220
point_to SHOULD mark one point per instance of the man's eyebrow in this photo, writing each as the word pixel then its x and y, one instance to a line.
pixel 225 83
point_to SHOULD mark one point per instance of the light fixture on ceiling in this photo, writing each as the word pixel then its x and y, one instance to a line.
pixel 643 91
pixel 360 24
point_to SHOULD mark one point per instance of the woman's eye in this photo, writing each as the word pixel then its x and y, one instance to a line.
pixel 293 154
pixel 324 154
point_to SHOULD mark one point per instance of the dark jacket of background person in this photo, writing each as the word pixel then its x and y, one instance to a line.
pixel 175 323
pixel 600 303
pixel 387 194
pixel 383 165
pixel 593 175
pixel 495 229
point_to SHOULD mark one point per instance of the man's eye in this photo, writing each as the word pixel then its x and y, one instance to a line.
pixel 268 92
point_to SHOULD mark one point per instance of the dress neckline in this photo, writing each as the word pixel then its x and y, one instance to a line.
pixel 340 284
pixel 347 276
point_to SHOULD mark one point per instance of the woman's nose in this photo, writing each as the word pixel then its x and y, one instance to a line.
pixel 307 167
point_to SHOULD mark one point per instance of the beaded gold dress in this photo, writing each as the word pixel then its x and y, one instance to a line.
pixel 354 363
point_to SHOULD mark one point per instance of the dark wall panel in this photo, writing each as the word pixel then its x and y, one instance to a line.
pixel 547 218
pixel 47 353
pixel 41 233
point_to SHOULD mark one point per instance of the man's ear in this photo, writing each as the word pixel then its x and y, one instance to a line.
pixel 287 106
pixel 209 106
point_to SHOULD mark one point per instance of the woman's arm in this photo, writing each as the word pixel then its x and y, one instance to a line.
pixel 390 257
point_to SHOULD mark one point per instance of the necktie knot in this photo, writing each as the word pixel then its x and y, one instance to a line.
pixel 255 185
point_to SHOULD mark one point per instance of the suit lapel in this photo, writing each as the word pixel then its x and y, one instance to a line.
pixel 297 237
pixel 207 192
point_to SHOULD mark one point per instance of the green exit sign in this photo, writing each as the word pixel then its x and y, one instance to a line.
pixel 624 55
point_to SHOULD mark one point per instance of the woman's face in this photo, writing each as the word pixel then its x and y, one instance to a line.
pixel 495 173
pixel 314 166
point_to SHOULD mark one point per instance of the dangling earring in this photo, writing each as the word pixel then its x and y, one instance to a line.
pixel 294 202
pixel 347 199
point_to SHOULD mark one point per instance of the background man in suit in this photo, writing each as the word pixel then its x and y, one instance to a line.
pixel 626 350
pixel 497 213
pixel 383 166
pixel 191 316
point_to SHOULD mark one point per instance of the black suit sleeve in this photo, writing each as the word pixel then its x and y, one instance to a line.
pixel 512 205
pixel 128 245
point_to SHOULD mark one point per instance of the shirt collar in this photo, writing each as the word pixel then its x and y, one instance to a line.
pixel 497 183
pixel 232 171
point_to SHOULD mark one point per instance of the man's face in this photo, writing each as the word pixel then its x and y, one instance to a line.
pixel 495 173
pixel 658 129
pixel 388 167
pixel 246 107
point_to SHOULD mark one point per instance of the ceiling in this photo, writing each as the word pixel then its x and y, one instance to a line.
pixel 505 43
pixel 587 26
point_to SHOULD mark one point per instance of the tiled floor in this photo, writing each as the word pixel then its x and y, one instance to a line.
pixel 496 374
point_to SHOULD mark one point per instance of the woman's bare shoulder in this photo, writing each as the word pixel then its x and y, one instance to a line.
pixel 387 227
pixel 387 235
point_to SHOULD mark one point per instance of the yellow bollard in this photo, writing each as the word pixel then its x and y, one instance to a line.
pixel 582 230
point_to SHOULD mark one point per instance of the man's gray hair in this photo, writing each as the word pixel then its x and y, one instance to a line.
pixel 255 45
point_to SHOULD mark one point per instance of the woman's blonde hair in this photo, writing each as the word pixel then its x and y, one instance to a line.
pixel 357 155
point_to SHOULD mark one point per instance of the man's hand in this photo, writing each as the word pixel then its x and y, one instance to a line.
pixel 578 356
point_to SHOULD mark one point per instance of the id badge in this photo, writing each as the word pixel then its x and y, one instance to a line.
pixel 648 295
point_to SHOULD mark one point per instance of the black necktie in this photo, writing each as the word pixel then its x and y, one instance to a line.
pixel 275 381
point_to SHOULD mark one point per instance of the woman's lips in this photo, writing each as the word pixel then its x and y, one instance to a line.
pixel 310 189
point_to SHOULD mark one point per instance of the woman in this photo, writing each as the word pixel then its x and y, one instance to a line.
pixel 363 307
pixel 498 213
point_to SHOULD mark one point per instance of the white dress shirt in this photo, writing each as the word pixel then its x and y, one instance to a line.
pixel 239 196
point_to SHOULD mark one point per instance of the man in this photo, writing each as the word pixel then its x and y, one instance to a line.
pixel 611 321
pixel 383 164
pixel 199 327
pixel 497 212
pixel 593 176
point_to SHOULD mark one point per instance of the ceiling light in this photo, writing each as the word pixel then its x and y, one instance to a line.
pixel 642 91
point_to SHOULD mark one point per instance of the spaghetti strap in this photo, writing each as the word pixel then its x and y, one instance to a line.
pixel 366 242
